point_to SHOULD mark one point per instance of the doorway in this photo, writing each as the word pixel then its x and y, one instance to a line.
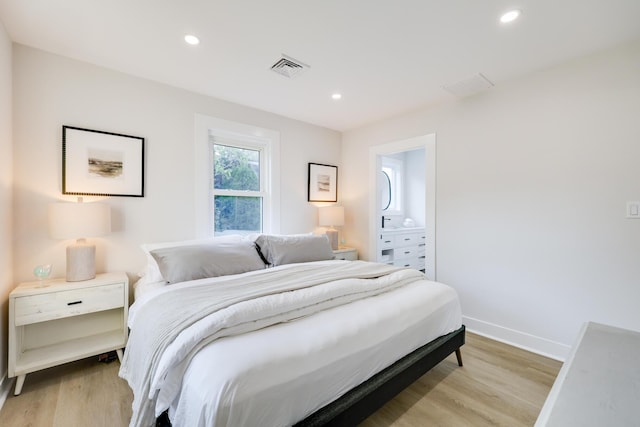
pixel 380 155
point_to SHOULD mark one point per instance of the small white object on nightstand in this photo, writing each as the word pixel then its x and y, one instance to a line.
pixel 65 321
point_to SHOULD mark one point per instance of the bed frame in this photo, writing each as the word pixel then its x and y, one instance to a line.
pixel 360 402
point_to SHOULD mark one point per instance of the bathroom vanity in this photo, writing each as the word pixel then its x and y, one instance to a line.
pixel 403 247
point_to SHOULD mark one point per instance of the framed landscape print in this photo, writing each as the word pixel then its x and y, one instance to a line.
pixel 323 183
pixel 96 163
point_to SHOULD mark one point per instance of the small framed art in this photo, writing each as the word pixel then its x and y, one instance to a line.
pixel 97 163
pixel 323 183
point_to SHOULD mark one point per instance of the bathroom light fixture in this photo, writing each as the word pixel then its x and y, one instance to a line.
pixel 336 96
pixel 191 39
pixel 510 16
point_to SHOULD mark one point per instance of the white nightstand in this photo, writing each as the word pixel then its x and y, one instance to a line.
pixel 346 253
pixel 54 322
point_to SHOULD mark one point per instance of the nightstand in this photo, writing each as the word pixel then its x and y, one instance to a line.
pixel 346 253
pixel 54 322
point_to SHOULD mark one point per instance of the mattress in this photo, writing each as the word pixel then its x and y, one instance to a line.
pixel 280 374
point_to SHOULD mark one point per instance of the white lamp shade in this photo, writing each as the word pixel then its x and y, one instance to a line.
pixel 79 220
pixel 331 215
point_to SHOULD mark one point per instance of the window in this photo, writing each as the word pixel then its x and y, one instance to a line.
pixel 238 186
pixel 236 178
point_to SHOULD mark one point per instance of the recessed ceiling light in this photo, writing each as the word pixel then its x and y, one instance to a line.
pixel 191 39
pixel 336 96
pixel 510 16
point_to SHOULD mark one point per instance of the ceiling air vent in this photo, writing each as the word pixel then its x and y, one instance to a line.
pixel 289 67
pixel 469 86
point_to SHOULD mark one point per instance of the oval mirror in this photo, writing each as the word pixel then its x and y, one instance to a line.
pixel 385 189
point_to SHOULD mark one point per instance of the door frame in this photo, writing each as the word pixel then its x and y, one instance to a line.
pixel 428 142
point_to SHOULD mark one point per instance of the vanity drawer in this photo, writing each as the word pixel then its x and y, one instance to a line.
pixel 407 239
pixel 402 263
pixel 406 252
pixel 56 305
pixel 386 242
pixel 416 263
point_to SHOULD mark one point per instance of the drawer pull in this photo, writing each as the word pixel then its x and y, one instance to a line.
pixel 387 241
pixel 407 252
pixel 406 239
pixel 74 302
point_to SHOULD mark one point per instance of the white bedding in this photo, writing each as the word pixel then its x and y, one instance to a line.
pixel 279 374
pixel 145 286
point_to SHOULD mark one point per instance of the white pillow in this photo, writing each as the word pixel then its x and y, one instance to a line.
pixel 152 272
pixel 280 250
pixel 212 259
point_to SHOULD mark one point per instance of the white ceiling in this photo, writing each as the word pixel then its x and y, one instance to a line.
pixel 386 57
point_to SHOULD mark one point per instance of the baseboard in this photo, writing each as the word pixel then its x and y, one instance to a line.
pixel 5 388
pixel 532 343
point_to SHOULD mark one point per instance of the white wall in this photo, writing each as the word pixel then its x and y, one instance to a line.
pixel 6 179
pixel 532 181
pixel 50 90
pixel 415 186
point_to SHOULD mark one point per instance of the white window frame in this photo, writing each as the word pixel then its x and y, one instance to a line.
pixel 209 129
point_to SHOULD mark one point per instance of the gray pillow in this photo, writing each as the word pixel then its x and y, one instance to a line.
pixel 280 250
pixel 182 263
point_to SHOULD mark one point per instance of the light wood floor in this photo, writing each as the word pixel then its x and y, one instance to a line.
pixel 499 385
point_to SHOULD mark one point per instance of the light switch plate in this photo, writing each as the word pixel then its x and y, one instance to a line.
pixel 633 210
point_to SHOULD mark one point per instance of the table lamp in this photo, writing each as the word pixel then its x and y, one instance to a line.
pixel 331 216
pixel 79 221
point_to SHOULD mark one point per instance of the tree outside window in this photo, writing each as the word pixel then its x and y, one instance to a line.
pixel 237 189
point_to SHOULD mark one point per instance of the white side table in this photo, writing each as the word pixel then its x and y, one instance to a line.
pixel 345 253
pixel 54 322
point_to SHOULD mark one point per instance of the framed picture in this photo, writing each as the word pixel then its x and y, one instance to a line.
pixel 323 183
pixel 96 163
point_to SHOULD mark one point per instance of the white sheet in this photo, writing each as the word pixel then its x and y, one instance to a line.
pixel 280 374
pixel 145 286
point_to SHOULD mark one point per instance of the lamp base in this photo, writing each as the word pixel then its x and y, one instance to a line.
pixel 81 262
pixel 332 234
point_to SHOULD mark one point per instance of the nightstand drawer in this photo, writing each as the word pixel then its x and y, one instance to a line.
pixel 346 254
pixel 56 305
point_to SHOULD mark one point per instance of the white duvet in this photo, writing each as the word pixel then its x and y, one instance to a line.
pixel 217 363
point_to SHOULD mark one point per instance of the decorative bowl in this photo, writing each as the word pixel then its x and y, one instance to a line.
pixel 42 271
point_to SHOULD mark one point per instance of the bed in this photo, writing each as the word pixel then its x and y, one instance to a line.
pixel 272 331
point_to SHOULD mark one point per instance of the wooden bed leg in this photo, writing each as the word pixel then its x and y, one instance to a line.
pixel 459 356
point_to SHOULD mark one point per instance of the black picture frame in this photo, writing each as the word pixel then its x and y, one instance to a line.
pixel 99 163
pixel 322 183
